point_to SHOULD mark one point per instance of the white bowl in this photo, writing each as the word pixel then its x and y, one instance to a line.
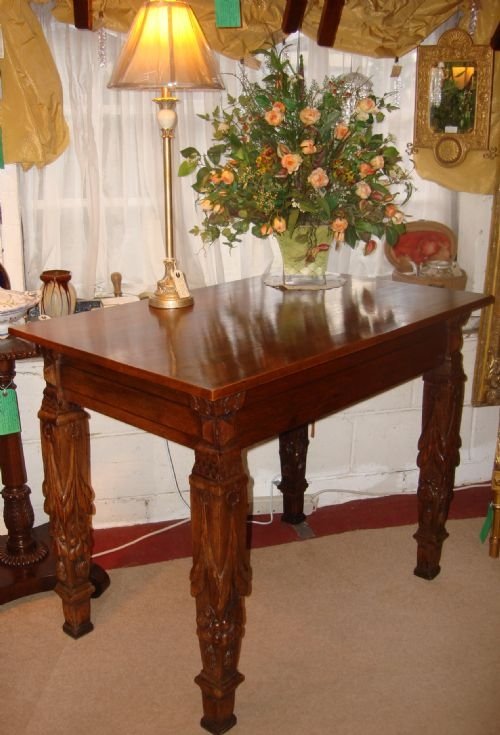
pixel 13 307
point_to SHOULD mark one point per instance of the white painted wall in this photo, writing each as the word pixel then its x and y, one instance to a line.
pixel 368 450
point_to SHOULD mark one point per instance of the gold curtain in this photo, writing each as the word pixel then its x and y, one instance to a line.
pixel 34 131
pixel 379 28
pixel 31 116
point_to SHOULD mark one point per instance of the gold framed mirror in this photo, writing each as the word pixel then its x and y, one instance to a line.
pixel 453 97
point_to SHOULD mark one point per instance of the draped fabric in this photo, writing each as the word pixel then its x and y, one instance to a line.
pixel 34 130
pixel 380 28
pixel 98 208
pixel 31 113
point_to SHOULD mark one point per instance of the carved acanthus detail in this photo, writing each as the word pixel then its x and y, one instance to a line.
pixel 439 450
pixel 217 417
pixel 219 502
pixel 220 637
pixel 67 489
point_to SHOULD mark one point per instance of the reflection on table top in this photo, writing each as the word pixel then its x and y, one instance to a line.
pixel 244 332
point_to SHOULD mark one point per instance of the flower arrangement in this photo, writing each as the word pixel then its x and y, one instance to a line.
pixel 286 155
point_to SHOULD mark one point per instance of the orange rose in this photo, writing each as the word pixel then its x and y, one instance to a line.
pixel 318 178
pixel 279 224
pixel 377 162
pixel 274 117
pixel 366 106
pixel 309 115
pixel 365 170
pixel 341 131
pixel 308 147
pixel 339 226
pixel 291 162
pixel 363 190
pixel 227 177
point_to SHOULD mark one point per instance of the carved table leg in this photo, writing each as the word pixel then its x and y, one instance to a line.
pixel 293 455
pixel 495 487
pixel 220 578
pixel 439 455
pixel 68 502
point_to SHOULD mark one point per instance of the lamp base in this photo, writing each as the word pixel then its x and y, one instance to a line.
pixel 171 291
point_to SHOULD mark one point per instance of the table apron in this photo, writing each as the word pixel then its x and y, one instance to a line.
pixel 332 387
pixel 267 409
pixel 147 406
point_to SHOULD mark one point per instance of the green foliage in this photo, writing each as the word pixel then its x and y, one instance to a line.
pixel 286 154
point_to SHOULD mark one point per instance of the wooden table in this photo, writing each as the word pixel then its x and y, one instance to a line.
pixel 247 362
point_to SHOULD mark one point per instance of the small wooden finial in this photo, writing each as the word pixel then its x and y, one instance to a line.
pixel 116 280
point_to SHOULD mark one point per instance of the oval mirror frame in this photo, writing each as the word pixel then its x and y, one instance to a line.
pixel 455 50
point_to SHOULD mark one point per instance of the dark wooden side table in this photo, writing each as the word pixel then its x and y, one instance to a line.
pixel 245 363
pixel 27 565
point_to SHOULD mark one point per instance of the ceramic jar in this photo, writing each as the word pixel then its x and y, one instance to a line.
pixel 58 295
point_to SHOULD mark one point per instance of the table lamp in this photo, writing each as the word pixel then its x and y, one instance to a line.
pixel 166 50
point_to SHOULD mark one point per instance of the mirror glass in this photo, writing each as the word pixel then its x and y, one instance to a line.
pixel 452 96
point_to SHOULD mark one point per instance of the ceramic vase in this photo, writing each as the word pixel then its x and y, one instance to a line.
pixel 58 295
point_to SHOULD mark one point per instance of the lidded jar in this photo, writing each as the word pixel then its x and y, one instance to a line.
pixel 437 269
pixel 58 295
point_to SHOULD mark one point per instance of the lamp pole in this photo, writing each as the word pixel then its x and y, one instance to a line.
pixel 171 290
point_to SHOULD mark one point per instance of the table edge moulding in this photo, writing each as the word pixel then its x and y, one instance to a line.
pixel 245 363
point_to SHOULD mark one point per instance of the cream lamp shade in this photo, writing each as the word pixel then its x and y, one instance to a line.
pixel 166 47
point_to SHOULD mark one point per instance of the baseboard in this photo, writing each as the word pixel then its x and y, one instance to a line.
pixel 171 540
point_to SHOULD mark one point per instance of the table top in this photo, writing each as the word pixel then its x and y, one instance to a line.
pixel 244 333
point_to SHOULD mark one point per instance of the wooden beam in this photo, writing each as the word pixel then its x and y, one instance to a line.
pixel 293 15
pixel 329 23
pixel 82 12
